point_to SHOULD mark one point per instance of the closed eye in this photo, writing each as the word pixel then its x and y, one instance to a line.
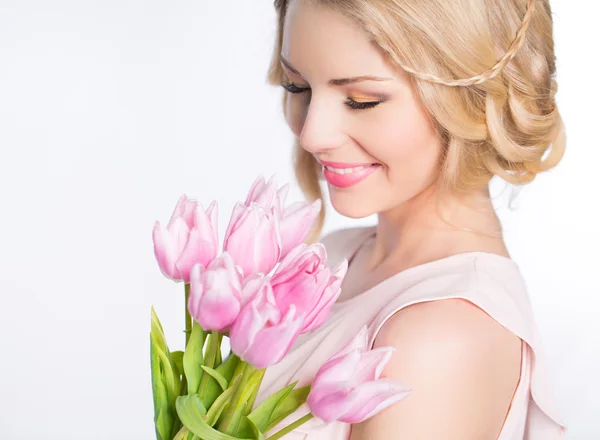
pixel 293 88
pixel 354 105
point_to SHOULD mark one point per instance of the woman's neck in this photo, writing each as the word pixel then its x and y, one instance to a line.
pixel 415 232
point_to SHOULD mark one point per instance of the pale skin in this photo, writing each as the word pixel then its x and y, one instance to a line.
pixel 462 365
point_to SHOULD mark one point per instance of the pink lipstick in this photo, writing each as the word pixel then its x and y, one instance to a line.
pixel 344 174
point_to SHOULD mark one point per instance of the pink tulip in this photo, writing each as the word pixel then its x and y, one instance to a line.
pixel 265 194
pixel 251 286
pixel 304 281
pixel 253 239
pixel 347 387
pixel 262 335
pixel 215 294
pixel 295 220
pixel 189 238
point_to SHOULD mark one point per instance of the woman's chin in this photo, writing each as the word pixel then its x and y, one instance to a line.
pixel 350 207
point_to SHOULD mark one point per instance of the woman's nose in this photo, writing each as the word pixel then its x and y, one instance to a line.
pixel 322 129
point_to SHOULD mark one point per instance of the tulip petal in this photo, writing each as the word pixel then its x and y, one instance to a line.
pixel 197 250
pixel 250 287
pixel 371 364
pixel 297 292
pixel 287 267
pixel 218 309
pixel 184 209
pixel 227 264
pixel 331 406
pixel 320 296
pixel 297 219
pixel 244 329
pixel 281 196
pixel 268 248
pixel 164 250
pixel 273 343
pixel 339 369
pixel 320 314
pixel 241 241
pixel 329 297
pixel 373 397
pixel 236 214
pixel 256 188
pixel 213 213
pixel 358 342
pixel 196 290
pixel 266 197
pixel 168 245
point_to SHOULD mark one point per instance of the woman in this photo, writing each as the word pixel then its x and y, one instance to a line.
pixel 407 108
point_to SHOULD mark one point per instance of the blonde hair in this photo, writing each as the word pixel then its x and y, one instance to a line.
pixel 501 122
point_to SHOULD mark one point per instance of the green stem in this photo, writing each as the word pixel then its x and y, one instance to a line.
pixel 188 317
pixel 290 427
pixel 182 434
pixel 246 371
pixel 252 398
pixel 219 355
pixel 211 355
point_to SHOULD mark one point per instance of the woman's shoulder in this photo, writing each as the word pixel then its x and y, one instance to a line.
pixel 448 350
pixel 476 281
pixel 473 310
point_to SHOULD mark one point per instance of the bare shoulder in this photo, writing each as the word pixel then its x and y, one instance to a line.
pixel 462 366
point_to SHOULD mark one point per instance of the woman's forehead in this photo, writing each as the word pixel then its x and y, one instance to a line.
pixel 319 40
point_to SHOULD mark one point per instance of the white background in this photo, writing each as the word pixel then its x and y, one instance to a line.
pixel 110 110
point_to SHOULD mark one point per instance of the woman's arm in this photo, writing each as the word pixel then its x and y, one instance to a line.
pixel 462 366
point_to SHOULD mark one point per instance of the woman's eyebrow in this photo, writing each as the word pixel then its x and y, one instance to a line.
pixel 339 81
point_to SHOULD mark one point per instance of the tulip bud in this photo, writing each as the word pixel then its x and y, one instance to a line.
pixel 304 280
pixel 190 238
pixel 262 335
pixel 253 239
pixel 215 294
pixel 295 220
pixel 347 388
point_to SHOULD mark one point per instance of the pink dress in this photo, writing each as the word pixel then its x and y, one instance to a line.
pixel 492 282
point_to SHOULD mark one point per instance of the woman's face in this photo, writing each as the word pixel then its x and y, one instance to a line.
pixel 392 136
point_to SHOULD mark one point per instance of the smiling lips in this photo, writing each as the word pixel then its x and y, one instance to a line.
pixel 344 175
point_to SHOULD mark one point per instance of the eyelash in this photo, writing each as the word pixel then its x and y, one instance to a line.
pixel 293 88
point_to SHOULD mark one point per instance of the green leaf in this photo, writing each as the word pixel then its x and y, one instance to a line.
pixel 193 415
pixel 222 401
pixel 167 370
pixel 193 358
pixel 157 330
pixel 177 358
pixel 263 413
pixel 288 405
pixel 166 382
pixel 251 385
pixel 172 379
pixel 217 376
pixel 213 389
pixel 236 419
pixel 257 434
pixel 227 368
pixel 163 421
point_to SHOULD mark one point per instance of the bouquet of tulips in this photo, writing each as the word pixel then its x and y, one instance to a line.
pixel 261 290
